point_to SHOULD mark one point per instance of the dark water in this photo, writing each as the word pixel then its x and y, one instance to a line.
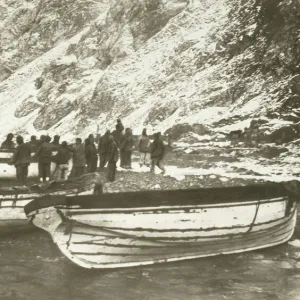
pixel 33 268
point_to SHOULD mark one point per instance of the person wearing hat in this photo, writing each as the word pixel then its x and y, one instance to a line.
pixel 79 160
pixel 33 143
pixel 112 158
pixel 143 146
pixel 103 149
pixel 8 143
pixel 91 154
pixel 21 159
pixel 44 155
pixel 126 148
pixel 157 151
pixel 62 161
pixel 118 132
pixel 55 141
pixel 41 141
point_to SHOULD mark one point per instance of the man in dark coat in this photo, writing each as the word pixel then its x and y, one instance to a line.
pixel 103 149
pixel 157 151
pixel 122 154
pixel 118 132
pixel 55 141
pixel 91 138
pixel 62 161
pixel 21 159
pixel 41 141
pixel 126 148
pixel 79 160
pixel 44 154
pixel 8 143
pixel 91 155
pixel 112 158
pixel 33 143
pixel 119 126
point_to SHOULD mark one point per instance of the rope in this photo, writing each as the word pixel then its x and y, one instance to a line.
pixel 254 219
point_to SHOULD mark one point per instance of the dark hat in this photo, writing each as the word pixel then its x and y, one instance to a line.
pixel 47 138
pixel 19 139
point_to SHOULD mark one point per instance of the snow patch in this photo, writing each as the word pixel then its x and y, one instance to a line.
pixel 295 243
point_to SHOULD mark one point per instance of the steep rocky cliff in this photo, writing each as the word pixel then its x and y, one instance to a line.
pixel 68 66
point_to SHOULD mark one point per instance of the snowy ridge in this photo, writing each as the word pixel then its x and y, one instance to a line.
pixel 159 63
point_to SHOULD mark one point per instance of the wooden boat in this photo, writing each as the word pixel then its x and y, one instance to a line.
pixel 13 199
pixel 7 171
pixel 140 228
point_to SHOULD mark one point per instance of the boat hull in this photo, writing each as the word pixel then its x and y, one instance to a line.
pixel 13 200
pixel 125 237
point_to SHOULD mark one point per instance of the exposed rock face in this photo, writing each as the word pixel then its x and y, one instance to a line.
pixel 29 28
pixel 178 130
pixel 152 63
pixel 285 134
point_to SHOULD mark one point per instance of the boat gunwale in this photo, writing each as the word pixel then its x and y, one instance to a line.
pixel 160 198
pixel 78 210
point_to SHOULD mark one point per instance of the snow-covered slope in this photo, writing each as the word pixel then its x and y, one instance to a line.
pixel 153 63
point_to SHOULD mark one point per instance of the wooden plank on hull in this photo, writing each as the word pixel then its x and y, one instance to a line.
pixel 183 234
pixel 103 259
pixel 88 230
pixel 106 259
pixel 136 241
pixel 250 241
pixel 163 247
pixel 226 217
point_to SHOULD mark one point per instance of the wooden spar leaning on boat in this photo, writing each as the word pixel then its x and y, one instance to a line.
pixel 13 200
pixel 139 228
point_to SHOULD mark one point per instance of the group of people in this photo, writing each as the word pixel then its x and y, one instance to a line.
pixel 112 146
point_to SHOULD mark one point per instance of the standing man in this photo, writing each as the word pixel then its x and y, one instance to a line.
pixel 8 143
pixel 44 154
pixel 103 149
pixel 112 158
pixel 144 144
pixel 79 160
pixel 119 125
pixel 21 159
pixel 118 132
pixel 62 161
pixel 33 143
pixel 126 148
pixel 55 141
pixel 91 154
pixel 157 151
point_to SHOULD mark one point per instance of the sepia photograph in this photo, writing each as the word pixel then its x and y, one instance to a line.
pixel 149 149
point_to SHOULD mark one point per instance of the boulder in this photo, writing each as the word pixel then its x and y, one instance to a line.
pixel 175 132
pixel 199 129
pixel 271 151
pixel 285 134
pixel 178 130
pixel 26 107
pixel 255 123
